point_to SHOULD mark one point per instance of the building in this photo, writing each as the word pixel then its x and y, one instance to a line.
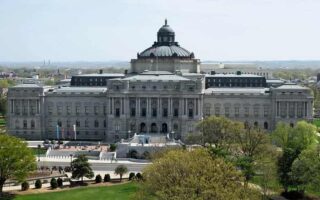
pixel 163 92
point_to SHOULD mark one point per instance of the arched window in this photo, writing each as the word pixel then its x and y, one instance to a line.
pixel 142 127
pixel 265 125
pixel 154 128
pixel 255 124
pixel 164 128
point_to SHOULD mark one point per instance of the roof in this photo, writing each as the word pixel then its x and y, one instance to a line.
pixel 62 90
pixel 143 77
pixel 31 85
pixel 234 75
pixel 165 51
pixel 99 75
pixel 291 87
pixel 236 90
pixel 146 72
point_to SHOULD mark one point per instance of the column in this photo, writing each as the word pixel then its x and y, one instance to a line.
pixel 287 109
pixel 295 109
pixel 28 106
pixel 159 109
pixel 138 106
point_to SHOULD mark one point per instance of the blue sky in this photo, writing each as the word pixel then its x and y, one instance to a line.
pixel 103 30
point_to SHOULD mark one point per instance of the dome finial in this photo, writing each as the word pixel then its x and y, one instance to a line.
pixel 165 22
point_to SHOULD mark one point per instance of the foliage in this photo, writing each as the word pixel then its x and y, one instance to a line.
pixel 182 174
pixel 38 184
pixel 53 183
pixel 131 176
pixel 292 140
pixel 16 159
pixel 25 186
pixel 113 192
pixel 139 176
pixel 98 178
pixel 219 131
pixel 306 169
pixel 106 178
pixel 81 168
pixel 120 170
pixel 113 147
pixel 60 182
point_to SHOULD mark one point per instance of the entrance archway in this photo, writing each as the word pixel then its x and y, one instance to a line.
pixel 164 128
pixel 154 128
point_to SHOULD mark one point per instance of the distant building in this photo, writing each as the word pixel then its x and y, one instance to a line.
pixel 163 93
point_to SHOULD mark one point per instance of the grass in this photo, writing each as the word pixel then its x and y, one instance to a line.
pixel 42 151
pixel 115 192
pixel 316 122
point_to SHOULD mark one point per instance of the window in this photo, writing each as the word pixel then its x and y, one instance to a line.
pixel 59 123
pixel 165 112
pixel 117 127
pixel 256 111
pixel 96 109
pixel 86 110
pixel 50 109
pixel 246 111
pixel 68 109
pixel 59 109
pixel 78 109
pixel 104 123
pixel 104 109
pixel 96 123
pixel 133 112
pixel 143 112
pixel 266 111
pixel 175 112
pixel 25 125
pixel 227 111
pixel 236 111
pixel 32 124
pixel 117 112
pixel 154 112
pixel 190 112
pixel 86 123
pixel 78 123
pixel 217 111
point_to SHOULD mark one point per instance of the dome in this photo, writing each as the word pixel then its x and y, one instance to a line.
pixel 166 46
pixel 166 51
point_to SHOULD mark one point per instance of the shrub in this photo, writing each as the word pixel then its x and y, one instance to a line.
pixel 107 178
pixel 131 176
pixel 38 184
pixel 53 183
pixel 98 178
pixel 60 182
pixel 25 186
pixel 113 147
pixel 139 176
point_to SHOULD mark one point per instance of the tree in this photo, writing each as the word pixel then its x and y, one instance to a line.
pixel 120 170
pixel 16 159
pixel 292 140
pixel 98 178
pixel 251 142
pixel 60 182
pixel 131 176
pixel 218 131
pixel 38 184
pixel 25 186
pixel 113 147
pixel 81 168
pixel 106 178
pixel 182 174
pixel 306 169
pixel 53 183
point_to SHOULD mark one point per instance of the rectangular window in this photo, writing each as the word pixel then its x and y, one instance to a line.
pixel 143 112
pixel 236 111
pixel 59 109
pixel 266 111
pixel 256 111
pixel 154 112
pixel 133 112
pixel 227 111
pixel 86 110
pixel 117 112
pixel 96 110
pixel 165 112
pixel 190 113
pixel 68 109
pixel 246 111
pixel 217 111
pixel 176 112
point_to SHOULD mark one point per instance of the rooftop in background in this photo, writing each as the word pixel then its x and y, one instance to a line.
pixel 69 90
pixel 292 86
pixel 155 77
pixel 233 75
pixel 236 90
pixel 25 85
pixel 156 73
pixel 99 75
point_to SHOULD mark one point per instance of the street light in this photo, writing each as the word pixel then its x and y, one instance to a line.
pixel 129 134
pixel 172 134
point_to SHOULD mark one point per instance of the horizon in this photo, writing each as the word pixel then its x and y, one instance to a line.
pixel 107 31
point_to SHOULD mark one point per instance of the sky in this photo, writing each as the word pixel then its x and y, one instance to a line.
pixel 109 30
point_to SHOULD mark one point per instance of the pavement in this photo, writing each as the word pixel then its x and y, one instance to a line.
pixel 96 165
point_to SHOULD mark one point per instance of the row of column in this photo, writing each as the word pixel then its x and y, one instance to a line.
pixel 285 106
pixel 183 106
pixel 24 106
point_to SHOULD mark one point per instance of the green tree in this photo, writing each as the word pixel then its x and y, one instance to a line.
pixel 38 184
pixel 120 170
pixel 292 140
pixel 218 131
pixel 182 174
pixel 16 159
pixel 306 169
pixel 81 168
pixel 53 183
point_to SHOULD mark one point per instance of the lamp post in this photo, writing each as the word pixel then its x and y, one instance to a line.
pixel 71 155
pixel 58 132
pixel 129 134
pixel 75 131
pixel 172 134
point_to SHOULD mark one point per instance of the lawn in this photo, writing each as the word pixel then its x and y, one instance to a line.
pixel 316 122
pixel 42 151
pixel 115 192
